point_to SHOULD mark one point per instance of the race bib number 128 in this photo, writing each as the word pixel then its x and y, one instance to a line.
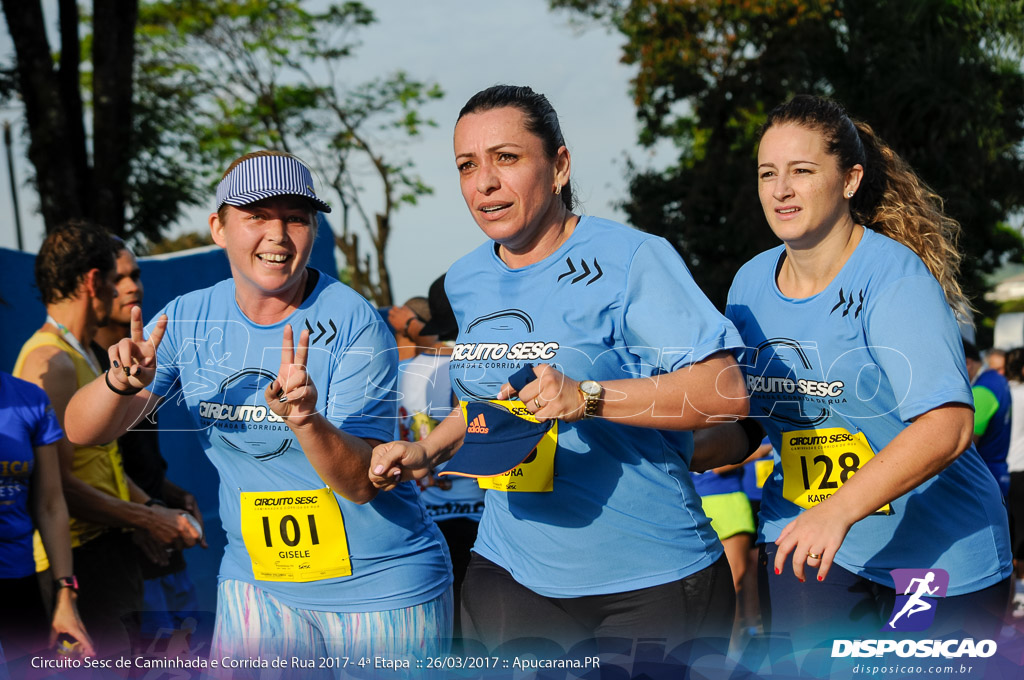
pixel 816 463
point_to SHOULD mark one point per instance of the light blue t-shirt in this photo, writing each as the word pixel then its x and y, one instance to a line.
pixel 219 362
pixel 874 350
pixel 610 303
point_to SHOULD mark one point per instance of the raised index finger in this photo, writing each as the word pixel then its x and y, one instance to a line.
pixel 287 350
pixel 136 325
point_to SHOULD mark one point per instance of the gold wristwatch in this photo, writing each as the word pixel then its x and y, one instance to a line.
pixel 591 392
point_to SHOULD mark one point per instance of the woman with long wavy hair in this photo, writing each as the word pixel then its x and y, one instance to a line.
pixel 857 372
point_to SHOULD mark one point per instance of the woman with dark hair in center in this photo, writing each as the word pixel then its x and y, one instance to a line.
pixel 599 533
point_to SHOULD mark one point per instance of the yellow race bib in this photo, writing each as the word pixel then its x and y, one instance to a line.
pixel 763 470
pixel 421 425
pixel 295 536
pixel 816 463
pixel 537 472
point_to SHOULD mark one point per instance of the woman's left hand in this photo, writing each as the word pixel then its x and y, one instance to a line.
pixel 552 396
pixel 293 395
pixel 66 621
pixel 814 538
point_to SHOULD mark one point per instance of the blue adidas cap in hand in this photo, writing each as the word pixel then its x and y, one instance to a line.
pixel 262 177
pixel 496 441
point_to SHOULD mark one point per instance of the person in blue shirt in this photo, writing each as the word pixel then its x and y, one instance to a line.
pixel 602 533
pixel 856 369
pixel 318 564
pixel 993 416
pixel 31 498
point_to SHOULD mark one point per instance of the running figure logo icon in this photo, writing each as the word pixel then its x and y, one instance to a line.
pixel 916 593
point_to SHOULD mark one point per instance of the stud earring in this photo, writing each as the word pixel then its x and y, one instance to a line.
pixel 849 194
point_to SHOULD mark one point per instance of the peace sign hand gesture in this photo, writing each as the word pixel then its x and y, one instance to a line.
pixel 133 359
pixel 293 395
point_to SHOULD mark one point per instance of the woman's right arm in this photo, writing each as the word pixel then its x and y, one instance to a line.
pixel 919 452
pixel 98 413
pixel 397 462
pixel 53 370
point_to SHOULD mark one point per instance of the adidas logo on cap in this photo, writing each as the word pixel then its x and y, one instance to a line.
pixel 478 426
pixel 496 441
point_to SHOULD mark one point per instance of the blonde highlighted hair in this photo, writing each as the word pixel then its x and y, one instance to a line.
pixel 891 199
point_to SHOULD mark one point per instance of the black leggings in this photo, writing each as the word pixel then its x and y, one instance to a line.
pixel 24 625
pixel 460 534
pixel 499 612
pixel 1015 505
pixel 110 594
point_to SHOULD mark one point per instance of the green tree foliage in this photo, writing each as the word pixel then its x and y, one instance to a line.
pixel 235 76
pixel 187 241
pixel 133 121
pixel 940 80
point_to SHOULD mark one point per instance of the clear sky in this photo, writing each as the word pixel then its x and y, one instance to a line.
pixel 465 47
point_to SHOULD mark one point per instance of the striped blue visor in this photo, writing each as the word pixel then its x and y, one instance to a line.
pixel 267 176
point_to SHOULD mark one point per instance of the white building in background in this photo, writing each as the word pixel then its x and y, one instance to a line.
pixel 1009 331
pixel 1011 288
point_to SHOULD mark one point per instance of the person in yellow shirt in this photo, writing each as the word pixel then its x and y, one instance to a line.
pixel 75 276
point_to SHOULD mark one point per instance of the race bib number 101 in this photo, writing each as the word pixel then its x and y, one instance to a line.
pixel 816 463
pixel 295 536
